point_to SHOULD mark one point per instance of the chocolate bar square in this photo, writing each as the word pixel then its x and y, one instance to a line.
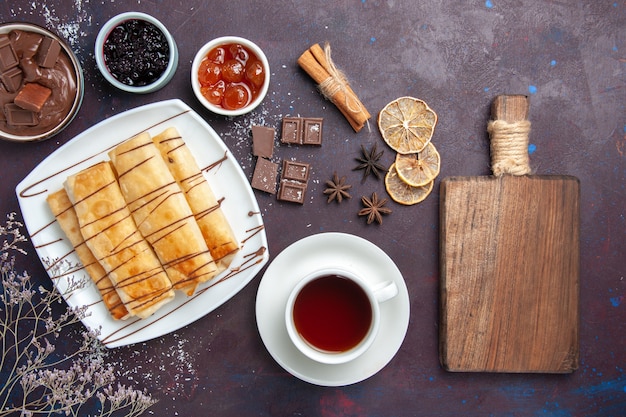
pixel 312 131
pixel 264 176
pixel 292 191
pixel 48 52
pixel 291 130
pixel 12 79
pixel 17 116
pixel 8 57
pixel 263 141
pixel 294 178
pixel 297 171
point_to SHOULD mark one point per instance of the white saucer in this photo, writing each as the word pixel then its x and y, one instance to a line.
pixel 324 250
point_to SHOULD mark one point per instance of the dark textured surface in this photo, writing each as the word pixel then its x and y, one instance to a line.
pixel 569 56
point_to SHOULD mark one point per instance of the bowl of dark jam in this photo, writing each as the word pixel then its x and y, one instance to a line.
pixel 230 75
pixel 41 83
pixel 136 53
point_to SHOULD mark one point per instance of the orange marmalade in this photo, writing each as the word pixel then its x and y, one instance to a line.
pixel 231 76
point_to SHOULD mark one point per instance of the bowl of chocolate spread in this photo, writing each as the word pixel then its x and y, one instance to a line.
pixel 41 83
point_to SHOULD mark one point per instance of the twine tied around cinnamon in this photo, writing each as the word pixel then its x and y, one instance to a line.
pixel 333 84
pixel 509 147
pixel 336 82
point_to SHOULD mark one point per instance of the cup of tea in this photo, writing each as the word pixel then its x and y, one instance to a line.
pixel 333 315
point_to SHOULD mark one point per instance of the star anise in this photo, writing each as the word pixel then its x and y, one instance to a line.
pixel 374 208
pixel 369 162
pixel 337 189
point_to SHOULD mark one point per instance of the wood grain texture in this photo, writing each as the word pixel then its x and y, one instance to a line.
pixel 510 108
pixel 510 274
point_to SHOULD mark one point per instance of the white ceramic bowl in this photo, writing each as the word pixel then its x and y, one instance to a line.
pixel 99 53
pixel 202 53
pixel 79 80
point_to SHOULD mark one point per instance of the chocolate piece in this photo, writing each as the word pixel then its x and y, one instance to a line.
pixel 263 141
pixel 8 57
pixel 292 130
pixel 292 191
pixel 312 131
pixel 302 130
pixel 32 71
pixel 12 79
pixel 32 96
pixel 297 171
pixel 264 177
pixel 48 52
pixel 293 181
pixel 17 116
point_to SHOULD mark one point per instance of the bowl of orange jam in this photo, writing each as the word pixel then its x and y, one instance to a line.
pixel 230 75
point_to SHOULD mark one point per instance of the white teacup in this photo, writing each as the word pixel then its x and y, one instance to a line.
pixel 333 315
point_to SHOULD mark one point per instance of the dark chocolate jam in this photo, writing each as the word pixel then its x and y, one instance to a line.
pixel 136 52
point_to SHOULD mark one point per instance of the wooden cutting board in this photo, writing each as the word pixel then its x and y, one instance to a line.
pixel 509 266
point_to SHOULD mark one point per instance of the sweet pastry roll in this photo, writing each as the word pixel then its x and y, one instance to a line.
pixel 207 210
pixel 162 213
pixel 64 212
pixel 112 236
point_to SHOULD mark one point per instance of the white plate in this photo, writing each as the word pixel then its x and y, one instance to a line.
pixel 226 178
pixel 319 251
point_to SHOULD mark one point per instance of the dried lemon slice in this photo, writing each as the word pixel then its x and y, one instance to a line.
pixel 407 124
pixel 417 169
pixel 403 193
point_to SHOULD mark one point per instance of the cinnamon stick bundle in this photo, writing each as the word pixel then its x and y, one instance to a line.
pixel 333 84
